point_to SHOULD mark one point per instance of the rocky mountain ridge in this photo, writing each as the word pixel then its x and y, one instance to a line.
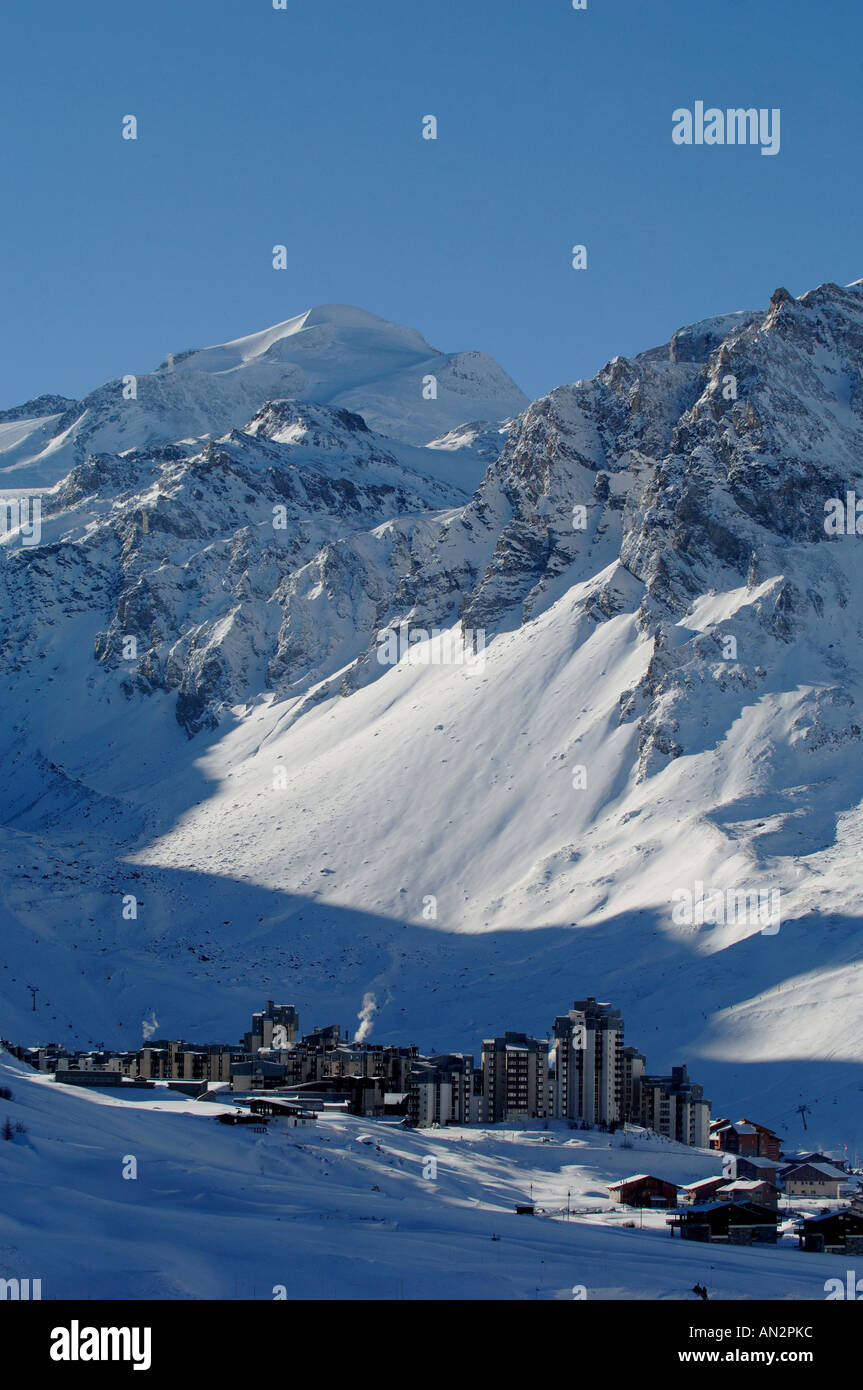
pixel 670 694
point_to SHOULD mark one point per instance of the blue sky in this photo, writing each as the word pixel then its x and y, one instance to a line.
pixel 303 127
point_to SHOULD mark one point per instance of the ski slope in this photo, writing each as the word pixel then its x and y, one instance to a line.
pixel 343 1211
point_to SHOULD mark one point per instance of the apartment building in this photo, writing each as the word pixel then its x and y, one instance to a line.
pixel 595 1080
pixel 276 1026
pixel 388 1061
pixel 515 1083
pixel 441 1091
pixel 675 1106
pixel 634 1066
pixel 588 1058
pixel 167 1059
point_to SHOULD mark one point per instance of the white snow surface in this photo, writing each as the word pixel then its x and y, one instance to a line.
pixel 300 821
pixel 335 355
pixel 222 1212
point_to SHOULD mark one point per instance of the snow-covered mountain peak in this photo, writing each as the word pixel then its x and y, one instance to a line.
pixel 334 355
pixel 193 656
pixel 338 331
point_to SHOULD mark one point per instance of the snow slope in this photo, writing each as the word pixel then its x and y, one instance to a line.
pixel 220 1212
pixel 300 820
pixel 334 355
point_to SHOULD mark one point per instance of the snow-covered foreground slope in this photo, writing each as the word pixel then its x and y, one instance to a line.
pixel 344 1211
pixel 668 696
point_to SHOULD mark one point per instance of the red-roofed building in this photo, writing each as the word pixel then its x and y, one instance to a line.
pixel 744 1137
pixel 644 1190
pixel 703 1190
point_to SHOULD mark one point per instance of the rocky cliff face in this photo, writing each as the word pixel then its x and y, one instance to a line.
pixel 253 564
pixel 671 691
pixel 700 467
pixel 270 559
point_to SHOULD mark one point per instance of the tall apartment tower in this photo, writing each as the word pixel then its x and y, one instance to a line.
pixel 276 1026
pixel 515 1078
pixel 588 1055
pixel 675 1106
pixel 634 1067
pixel 441 1091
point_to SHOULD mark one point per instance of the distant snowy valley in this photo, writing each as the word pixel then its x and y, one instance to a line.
pixel 197 718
